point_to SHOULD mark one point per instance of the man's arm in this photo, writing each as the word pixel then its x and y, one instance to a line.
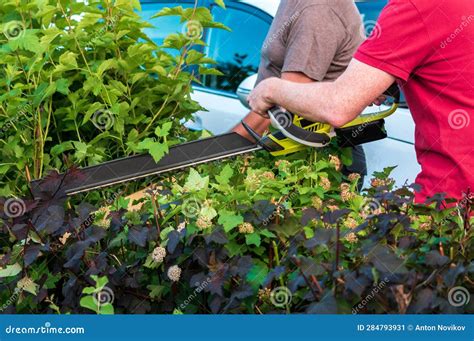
pixel 259 123
pixel 335 103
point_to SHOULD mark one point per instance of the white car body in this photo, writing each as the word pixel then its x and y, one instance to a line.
pixel 224 112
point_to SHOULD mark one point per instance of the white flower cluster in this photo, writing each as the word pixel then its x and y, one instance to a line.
pixel 174 273
pixel 159 254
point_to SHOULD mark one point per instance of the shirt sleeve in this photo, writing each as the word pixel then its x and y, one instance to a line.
pixel 313 41
pixel 399 42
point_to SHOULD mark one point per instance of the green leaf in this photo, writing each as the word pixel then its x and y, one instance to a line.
pixel 155 290
pixel 88 303
pixel 10 270
pixel 164 129
pixel 167 11
pixel 62 86
pixel 267 233
pixel 100 282
pixel 194 57
pixel 106 65
pixel 81 150
pixel 106 309
pixel 220 3
pixel 253 239
pixel 385 173
pixel 233 248
pixel 29 42
pixel 150 263
pixel 229 220
pixel 346 156
pixel 225 175
pixel 156 149
pixel 208 212
pixel 68 59
pixel 257 274
pixel 209 71
pixel 88 290
pixel 195 182
pixel 31 287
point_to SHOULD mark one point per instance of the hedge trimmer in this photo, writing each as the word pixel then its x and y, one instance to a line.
pixel 290 134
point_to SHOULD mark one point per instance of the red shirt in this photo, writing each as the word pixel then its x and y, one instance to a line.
pixel 428 45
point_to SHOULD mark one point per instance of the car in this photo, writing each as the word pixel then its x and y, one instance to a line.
pixel 237 54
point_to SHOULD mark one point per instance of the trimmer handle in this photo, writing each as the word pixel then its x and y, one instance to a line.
pixel 283 120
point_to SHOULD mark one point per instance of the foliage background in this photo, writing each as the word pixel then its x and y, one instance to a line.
pixel 81 84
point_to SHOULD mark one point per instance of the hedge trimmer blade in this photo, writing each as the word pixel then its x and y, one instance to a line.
pixel 293 134
pixel 141 166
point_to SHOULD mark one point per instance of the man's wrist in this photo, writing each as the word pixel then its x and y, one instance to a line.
pixel 271 95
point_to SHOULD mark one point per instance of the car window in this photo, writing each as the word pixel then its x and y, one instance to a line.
pixel 163 26
pixel 370 11
pixel 237 53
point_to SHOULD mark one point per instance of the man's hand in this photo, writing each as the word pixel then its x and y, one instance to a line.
pixel 260 98
pixel 260 123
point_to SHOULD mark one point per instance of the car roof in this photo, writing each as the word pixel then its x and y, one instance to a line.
pixel 271 6
pixel 268 6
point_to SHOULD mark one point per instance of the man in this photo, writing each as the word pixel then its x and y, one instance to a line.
pixel 310 41
pixel 428 46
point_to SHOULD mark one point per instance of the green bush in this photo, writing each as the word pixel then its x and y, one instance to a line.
pixel 81 84
pixel 245 236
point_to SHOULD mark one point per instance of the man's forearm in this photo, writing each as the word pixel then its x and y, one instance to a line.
pixel 335 103
pixel 317 102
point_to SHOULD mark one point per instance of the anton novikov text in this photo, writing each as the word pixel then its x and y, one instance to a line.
pixel 440 328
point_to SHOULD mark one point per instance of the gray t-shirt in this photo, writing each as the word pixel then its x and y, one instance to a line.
pixel 315 37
